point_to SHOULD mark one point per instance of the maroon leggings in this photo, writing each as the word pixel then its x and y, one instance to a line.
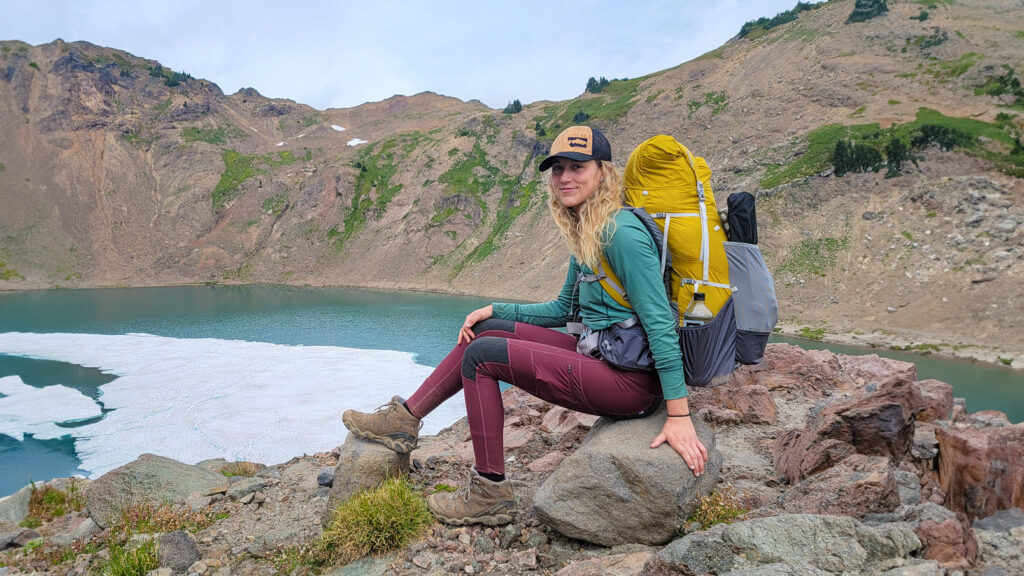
pixel 541 361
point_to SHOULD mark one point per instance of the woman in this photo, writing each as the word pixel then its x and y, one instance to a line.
pixel 514 342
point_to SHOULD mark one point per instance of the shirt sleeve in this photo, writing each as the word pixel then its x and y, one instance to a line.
pixel 634 258
pixel 549 314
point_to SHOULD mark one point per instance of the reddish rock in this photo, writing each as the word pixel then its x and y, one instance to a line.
pixel 982 418
pixel 877 423
pixel 614 565
pixel 719 415
pixel 522 403
pixel 937 400
pixel 753 403
pixel 949 542
pixel 857 486
pixel 981 470
pixel 790 368
pixel 873 368
pixel 559 421
pixel 546 463
pixel 518 436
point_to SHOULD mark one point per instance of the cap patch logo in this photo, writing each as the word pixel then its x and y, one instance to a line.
pixel 578 142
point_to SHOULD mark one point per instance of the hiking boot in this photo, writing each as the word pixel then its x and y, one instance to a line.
pixel 391 425
pixel 480 501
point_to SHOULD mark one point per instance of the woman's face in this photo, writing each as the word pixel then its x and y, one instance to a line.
pixel 575 181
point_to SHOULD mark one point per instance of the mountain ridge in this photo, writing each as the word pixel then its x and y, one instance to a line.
pixel 122 172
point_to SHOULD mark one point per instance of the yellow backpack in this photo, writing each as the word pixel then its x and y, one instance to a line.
pixel 672 185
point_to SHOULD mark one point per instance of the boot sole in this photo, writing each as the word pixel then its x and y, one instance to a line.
pixel 496 520
pixel 400 445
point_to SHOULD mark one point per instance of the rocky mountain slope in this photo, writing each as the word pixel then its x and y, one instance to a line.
pixel 117 171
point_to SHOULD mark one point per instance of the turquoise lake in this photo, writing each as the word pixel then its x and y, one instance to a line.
pixel 168 321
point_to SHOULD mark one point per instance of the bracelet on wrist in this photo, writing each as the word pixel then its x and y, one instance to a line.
pixel 687 415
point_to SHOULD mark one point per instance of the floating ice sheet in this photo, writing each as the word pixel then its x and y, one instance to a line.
pixel 25 409
pixel 194 399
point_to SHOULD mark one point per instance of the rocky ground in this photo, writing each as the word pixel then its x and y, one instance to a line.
pixel 841 465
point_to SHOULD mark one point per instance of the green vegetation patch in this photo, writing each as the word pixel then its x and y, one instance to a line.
pixel 864 10
pixel 474 177
pixel 923 348
pixel 128 559
pixel 814 257
pixel 821 144
pixel 929 128
pixel 716 54
pixel 237 169
pixel 377 164
pixel 169 77
pixel 943 70
pixel 1006 83
pixel 313 119
pixel 372 522
pixel 217 135
pixel 717 100
pixel 756 28
pixel 275 205
pixel 8 273
pixel 808 333
pixel 612 103
pixel 47 503
pixel 514 107
pixel 240 167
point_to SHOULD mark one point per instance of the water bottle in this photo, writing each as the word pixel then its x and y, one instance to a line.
pixel 697 313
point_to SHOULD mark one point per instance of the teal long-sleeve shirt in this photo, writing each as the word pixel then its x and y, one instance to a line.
pixel 634 258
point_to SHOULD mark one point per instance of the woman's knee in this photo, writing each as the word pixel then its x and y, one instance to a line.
pixel 482 350
pixel 494 324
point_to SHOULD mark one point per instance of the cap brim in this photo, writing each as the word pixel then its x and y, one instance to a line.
pixel 570 155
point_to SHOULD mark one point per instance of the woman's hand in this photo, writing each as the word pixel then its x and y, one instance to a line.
pixel 681 436
pixel 466 332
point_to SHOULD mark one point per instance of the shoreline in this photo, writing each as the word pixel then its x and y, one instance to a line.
pixel 921 346
pixel 918 344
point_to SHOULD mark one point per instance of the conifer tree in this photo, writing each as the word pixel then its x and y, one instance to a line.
pixel 841 158
pixel 896 153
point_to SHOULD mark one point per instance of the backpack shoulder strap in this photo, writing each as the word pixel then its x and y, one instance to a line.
pixel 610 281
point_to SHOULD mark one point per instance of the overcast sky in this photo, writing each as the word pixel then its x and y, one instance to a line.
pixel 337 54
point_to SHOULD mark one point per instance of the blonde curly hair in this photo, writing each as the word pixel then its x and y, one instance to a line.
pixel 586 227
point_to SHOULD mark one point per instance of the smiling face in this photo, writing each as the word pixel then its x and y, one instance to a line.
pixel 574 181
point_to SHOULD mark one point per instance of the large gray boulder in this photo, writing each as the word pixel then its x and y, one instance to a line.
pixel 1002 539
pixel 150 478
pixel 614 489
pixel 363 464
pixel 789 544
pixel 14 508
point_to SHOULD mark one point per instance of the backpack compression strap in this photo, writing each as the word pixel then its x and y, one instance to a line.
pixel 609 281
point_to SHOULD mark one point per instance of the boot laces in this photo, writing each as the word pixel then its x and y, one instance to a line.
pixel 465 490
pixel 393 407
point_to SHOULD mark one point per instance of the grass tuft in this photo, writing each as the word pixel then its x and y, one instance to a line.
pixel 47 503
pixel 373 521
pixel 128 560
pixel 721 506
pixel 241 469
